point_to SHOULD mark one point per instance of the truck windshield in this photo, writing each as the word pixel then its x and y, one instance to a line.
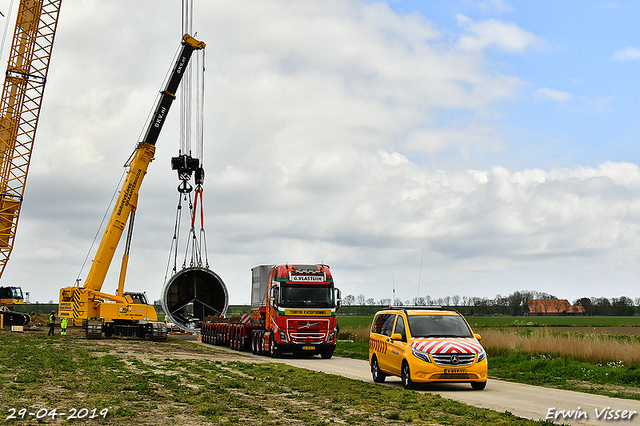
pixel 438 326
pixel 296 296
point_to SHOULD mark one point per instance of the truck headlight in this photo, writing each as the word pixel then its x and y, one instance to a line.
pixel 332 337
pixel 421 355
pixel 481 355
pixel 283 336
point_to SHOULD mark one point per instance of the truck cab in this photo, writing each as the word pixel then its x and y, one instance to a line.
pixel 300 310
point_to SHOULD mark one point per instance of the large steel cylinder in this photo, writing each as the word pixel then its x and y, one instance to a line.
pixel 191 295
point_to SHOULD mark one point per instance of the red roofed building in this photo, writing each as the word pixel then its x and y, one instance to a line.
pixel 559 307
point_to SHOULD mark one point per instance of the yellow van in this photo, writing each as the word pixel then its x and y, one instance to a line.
pixel 426 345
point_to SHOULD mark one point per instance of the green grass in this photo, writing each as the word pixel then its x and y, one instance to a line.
pixel 355 321
pixel 509 321
pixel 354 350
pixel 612 379
pixel 176 382
pixel 552 321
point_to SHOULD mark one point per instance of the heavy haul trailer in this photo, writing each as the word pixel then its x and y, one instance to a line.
pixel 293 310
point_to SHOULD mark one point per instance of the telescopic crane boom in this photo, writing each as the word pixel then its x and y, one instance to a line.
pixel 88 301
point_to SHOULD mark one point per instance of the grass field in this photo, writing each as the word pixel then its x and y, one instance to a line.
pixel 507 321
pixel 124 382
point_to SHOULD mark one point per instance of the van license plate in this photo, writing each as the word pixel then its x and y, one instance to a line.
pixel 454 370
pixel 308 348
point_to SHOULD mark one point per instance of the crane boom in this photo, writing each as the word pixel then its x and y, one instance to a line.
pixel 22 93
pixel 128 197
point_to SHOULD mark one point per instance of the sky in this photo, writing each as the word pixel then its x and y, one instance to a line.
pixel 441 148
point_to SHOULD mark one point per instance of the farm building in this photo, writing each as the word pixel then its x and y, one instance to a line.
pixel 561 307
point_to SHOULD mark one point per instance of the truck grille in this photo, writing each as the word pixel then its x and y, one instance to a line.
pixel 304 338
pixel 454 359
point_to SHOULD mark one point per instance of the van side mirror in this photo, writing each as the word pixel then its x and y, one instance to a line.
pixel 477 336
pixel 397 336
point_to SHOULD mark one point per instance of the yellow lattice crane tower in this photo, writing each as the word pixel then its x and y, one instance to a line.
pixel 20 108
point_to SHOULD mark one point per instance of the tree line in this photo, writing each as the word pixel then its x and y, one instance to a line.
pixel 515 304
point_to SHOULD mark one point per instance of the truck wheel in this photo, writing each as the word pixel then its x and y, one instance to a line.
pixel 275 353
pixel 326 355
pixel 376 373
pixel 261 344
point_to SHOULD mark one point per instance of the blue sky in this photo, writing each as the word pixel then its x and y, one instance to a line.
pixel 492 142
pixel 576 51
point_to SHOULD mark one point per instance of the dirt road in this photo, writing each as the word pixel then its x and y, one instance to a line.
pixel 526 401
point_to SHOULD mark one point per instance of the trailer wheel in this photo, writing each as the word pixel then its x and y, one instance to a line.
pixel 243 339
pixel 254 342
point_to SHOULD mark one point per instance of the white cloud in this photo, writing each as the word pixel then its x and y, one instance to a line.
pixel 550 94
pixel 495 33
pixel 628 53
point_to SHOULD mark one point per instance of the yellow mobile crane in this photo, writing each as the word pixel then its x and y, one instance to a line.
pixel 22 93
pixel 125 314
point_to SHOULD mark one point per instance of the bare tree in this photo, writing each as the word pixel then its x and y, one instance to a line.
pixel 547 301
pixel 348 300
pixel 360 299
pixel 455 300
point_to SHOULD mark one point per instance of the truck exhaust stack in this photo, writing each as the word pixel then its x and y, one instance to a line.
pixel 191 295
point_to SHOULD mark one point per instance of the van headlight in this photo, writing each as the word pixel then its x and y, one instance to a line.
pixel 421 355
pixel 481 355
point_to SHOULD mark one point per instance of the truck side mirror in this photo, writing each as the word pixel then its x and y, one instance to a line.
pixel 338 299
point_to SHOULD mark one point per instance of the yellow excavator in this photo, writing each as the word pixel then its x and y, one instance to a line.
pixel 125 313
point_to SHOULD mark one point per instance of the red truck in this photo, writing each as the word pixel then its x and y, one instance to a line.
pixel 293 310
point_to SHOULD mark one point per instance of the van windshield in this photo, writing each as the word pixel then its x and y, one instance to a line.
pixel 299 296
pixel 438 326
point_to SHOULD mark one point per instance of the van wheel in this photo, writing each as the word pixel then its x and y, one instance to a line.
pixel 376 373
pixel 407 383
pixel 478 385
